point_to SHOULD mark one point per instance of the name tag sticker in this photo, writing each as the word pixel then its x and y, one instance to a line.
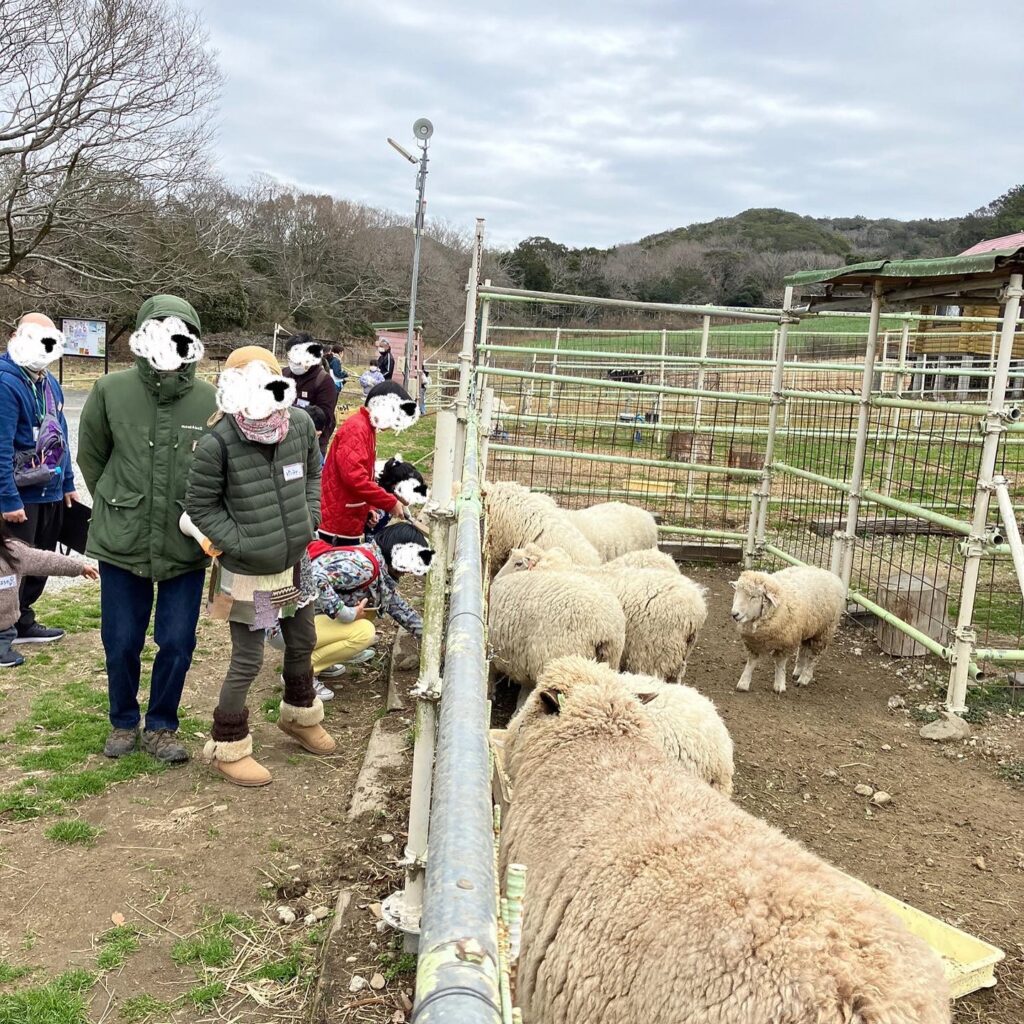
pixel 294 471
pixel 8 582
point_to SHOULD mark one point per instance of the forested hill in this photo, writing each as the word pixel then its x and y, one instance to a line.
pixel 742 260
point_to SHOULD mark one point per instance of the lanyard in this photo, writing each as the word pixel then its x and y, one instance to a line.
pixel 38 389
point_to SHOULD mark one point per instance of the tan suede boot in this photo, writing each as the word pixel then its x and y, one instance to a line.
pixel 235 762
pixel 303 725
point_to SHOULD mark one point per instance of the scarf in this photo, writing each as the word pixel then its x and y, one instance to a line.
pixel 271 430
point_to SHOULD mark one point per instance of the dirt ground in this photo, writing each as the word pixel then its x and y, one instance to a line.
pixel 180 850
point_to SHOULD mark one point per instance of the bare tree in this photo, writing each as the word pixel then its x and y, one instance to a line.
pixel 100 127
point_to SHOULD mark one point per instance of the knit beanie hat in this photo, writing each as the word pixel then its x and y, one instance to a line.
pixel 168 305
pixel 252 353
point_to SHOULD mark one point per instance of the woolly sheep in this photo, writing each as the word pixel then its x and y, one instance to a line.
pixel 685 907
pixel 515 516
pixel 533 618
pixel 614 528
pixel 686 724
pixel 795 611
pixel 664 611
pixel 646 558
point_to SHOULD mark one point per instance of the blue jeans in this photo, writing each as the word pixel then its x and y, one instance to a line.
pixel 126 602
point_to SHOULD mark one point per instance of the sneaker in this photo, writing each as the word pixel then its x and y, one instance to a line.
pixel 38 634
pixel 322 691
pixel 121 742
pixel 164 745
pixel 11 659
pixel 363 656
pixel 333 672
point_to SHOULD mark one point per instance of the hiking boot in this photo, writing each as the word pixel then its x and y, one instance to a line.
pixel 37 633
pixel 164 745
pixel 121 742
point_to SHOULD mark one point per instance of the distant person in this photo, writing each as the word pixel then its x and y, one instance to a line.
pixel 313 384
pixel 138 431
pixel 337 370
pixel 424 384
pixel 16 561
pixel 385 360
pixel 36 477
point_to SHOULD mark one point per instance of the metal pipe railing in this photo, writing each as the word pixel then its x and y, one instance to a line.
pixel 457 977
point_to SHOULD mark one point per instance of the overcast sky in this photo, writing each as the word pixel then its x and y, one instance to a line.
pixel 599 122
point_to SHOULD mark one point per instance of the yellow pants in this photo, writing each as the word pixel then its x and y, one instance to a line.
pixel 336 642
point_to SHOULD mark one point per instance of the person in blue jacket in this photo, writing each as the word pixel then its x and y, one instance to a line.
pixel 34 436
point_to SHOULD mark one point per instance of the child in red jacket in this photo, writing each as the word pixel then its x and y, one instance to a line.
pixel 349 491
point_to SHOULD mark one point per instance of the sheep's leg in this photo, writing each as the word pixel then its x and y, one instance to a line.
pixel 748 673
pixel 798 661
pixel 813 650
pixel 780 671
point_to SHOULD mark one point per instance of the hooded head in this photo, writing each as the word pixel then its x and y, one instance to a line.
pixel 403 480
pixel 167 333
pixel 390 407
pixel 304 352
pixel 36 342
pixel 405 549
pixel 251 384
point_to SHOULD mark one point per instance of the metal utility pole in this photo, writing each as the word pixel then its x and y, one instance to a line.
pixel 422 129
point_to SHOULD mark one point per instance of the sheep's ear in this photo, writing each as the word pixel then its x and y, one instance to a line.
pixel 646 698
pixel 773 596
pixel 550 701
pixel 531 561
pixel 733 583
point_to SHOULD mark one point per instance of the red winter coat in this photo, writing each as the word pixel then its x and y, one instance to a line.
pixel 348 489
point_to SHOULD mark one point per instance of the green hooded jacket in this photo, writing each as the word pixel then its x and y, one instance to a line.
pixel 138 431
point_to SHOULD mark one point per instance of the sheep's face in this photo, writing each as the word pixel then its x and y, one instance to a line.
pixel 754 600
pixel 253 391
pixel 304 357
pixel 167 345
pixel 34 347
pixel 519 560
pixel 392 412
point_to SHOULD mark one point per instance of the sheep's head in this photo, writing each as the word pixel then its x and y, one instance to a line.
pixel 577 699
pixel 34 346
pixel 254 391
pixel 519 560
pixel 167 344
pixel 755 600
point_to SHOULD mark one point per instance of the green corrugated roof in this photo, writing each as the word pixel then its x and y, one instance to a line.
pixel 946 266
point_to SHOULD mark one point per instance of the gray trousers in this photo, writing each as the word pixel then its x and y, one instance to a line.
pixel 247 647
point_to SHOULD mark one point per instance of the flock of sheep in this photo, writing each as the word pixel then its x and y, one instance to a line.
pixel 650 895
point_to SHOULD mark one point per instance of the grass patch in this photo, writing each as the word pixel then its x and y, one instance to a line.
pixel 984 701
pixel 1013 771
pixel 212 945
pixel 281 970
pixel 73 832
pixel 116 945
pixel 79 615
pixel 414 445
pixel 404 964
pixel 202 997
pixel 9 973
pixel 61 1001
pixel 140 1009
pixel 272 709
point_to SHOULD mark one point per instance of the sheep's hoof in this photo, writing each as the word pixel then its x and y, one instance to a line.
pixel 779 687
pixel 804 681
pixel 742 686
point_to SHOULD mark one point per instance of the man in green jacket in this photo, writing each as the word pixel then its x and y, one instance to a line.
pixel 138 431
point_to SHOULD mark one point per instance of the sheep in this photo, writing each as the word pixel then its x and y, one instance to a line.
pixel 615 527
pixel 533 618
pixel 795 611
pixel 515 516
pixel 664 610
pixel 652 897
pixel 646 558
pixel 687 725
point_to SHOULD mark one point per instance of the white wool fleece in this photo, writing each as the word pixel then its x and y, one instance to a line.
pixel 411 558
pixel 304 357
pixel 254 391
pixel 391 412
pixel 167 345
pixel 34 347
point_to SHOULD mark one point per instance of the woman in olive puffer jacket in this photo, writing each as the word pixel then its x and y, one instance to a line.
pixel 253 501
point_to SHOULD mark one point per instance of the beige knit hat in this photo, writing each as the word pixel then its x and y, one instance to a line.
pixel 250 354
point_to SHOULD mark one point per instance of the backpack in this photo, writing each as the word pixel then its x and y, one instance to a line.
pixel 40 466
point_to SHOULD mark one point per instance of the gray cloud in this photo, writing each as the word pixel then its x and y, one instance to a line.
pixel 601 122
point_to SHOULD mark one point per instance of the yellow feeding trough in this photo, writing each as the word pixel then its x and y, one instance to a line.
pixel 970 963
pixel 638 485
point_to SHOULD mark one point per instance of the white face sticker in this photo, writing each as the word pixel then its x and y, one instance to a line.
pixel 293 471
pixel 412 492
pixel 8 582
pixel 35 347
pixel 392 412
pixel 167 345
pixel 411 558
pixel 304 357
pixel 254 391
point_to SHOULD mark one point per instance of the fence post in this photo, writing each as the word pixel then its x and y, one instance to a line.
pixel 551 389
pixel 759 499
pixel 467 354
pixel 994 426
pixel 698 402
pixel 486 428
pixel 457 977
pixel 897 390
pixel 403 909
pixel 848 538
pixel 661 380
